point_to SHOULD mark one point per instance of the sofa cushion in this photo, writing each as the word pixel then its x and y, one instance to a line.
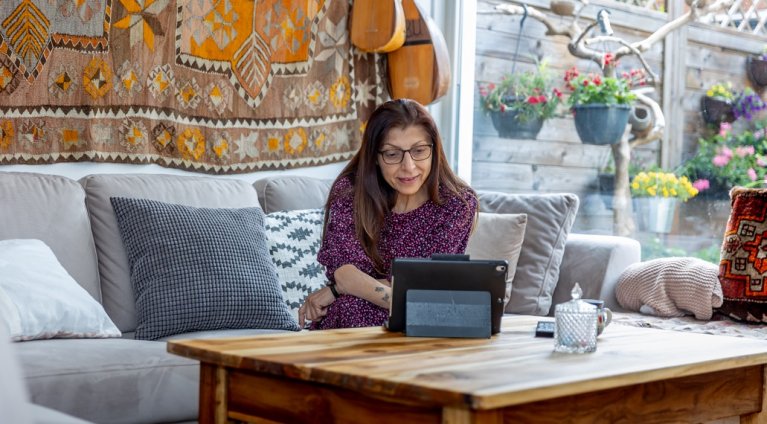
pixel 499 236
pixel 52 209
pixel 40 300
pixel 112 261
pixel 294 238
pixel 549 219
pixel 111 380
pixel 742 267
pixel 292 192
pixel 13 390
pixel 199 268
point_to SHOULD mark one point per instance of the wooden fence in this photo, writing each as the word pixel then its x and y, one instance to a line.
pixel 689 61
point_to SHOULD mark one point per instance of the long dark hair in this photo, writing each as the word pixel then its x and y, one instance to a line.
pixel 373 196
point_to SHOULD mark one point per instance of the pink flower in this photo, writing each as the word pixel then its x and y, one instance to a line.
pixel 724 128
pixel 760 161
pixel 759 134
pixel 751 174
pixel 725 151
pixel 701 184
pixel 720 161
pixel 743 151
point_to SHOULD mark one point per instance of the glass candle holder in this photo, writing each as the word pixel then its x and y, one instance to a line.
pixel 575 325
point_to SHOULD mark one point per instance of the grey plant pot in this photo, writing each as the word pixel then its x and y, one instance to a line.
pixel 601 123
pixel 508 126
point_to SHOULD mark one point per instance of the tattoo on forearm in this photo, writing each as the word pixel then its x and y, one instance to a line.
pixel 385 298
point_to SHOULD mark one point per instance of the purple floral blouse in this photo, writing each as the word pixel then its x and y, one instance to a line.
pixel 419 233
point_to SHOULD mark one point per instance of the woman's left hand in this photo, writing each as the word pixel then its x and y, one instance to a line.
pixel 315 306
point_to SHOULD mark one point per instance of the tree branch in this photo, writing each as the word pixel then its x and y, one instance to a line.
pixel 659 125
pixel 534 13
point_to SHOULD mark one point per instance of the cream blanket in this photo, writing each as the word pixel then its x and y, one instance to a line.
pixel 671 287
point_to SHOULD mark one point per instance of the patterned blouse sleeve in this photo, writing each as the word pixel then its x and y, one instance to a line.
pixel 340 245
pixel 451 234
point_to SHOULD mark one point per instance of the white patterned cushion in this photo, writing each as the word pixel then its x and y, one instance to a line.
pixel 293 239
pixel 198 269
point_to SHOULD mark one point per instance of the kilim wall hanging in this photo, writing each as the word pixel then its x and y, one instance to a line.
pixel 216 86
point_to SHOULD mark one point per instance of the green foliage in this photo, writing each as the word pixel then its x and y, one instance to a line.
pixel 593 88
pixel 729 159
pixel 530 94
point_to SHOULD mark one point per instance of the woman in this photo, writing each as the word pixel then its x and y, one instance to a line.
pixel 397 197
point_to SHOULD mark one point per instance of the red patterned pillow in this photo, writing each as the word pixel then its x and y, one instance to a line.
pixel 743 265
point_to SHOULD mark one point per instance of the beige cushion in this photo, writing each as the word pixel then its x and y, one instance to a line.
pixel 292 192
pixel 549 219
pixel 499 236
pixel 113 265
pixel 51 208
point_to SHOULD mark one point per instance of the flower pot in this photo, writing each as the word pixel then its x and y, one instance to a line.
pixel 716 111
pixel 601 123
pixel 655 214
pixel 641 120
pixel 757 70
pixel 508 126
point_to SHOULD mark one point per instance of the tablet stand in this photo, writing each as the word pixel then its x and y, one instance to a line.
pixel 447 313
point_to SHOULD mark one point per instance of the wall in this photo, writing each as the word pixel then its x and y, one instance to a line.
pixel 81 169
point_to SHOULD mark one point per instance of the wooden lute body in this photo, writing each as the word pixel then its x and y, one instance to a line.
pixel 420 69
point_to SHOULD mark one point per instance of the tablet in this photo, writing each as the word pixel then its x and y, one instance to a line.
pixel 447 272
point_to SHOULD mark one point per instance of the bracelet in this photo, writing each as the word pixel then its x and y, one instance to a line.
pixel 334 291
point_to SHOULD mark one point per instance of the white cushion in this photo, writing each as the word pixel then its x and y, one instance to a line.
pixel 293 239
pixel 40 300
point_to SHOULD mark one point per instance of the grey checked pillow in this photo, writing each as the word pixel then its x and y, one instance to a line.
pixel 294 238
pixel 195 269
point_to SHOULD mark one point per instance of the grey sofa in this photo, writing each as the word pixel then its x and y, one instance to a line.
pixel 122 380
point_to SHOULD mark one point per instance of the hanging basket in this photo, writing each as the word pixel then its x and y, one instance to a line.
pixel 509 126
pixel 757 70
pixel 716 111
pixel 601 123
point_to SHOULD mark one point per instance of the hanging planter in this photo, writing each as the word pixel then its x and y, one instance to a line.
pixel 715 111
pixel 601 123
pixel 757 70
pixel 509 125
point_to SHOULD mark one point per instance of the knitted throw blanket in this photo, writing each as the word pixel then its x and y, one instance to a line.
pixel 671 287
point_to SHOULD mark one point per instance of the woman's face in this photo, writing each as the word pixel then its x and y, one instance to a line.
pixel 407 177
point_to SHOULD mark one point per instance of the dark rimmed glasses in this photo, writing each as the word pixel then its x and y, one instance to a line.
pixel 396 156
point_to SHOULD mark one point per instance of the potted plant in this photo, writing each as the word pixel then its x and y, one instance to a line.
pixel 601 105
pixel 757 68
pixel 729 158
pixel 521 102
pixel 716 105
pixel 656 194
pixel 746 104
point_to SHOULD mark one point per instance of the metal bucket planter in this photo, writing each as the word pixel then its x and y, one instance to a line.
pixel 716 111
pixel 655 214
pixel 757 70
pixel 601 123
pixel 508 126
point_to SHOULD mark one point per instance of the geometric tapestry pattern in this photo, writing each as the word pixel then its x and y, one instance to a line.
pixel 214 86
pixel 743 266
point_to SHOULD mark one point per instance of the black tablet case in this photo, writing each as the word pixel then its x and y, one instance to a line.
pixel 456 273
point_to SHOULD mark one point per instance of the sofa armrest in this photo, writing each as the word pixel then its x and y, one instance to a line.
pixel 595 262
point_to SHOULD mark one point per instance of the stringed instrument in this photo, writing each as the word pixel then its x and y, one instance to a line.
pixel 420 69
pixel 378 26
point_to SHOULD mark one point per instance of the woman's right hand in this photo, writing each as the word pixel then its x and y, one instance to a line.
pixel 315 306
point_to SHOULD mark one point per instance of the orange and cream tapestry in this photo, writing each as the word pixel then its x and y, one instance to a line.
pixel 216 86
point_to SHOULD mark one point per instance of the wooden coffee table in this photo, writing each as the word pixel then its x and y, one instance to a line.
pixel 369 375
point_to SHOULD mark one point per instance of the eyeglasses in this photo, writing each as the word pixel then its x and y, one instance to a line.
pixel 396 156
